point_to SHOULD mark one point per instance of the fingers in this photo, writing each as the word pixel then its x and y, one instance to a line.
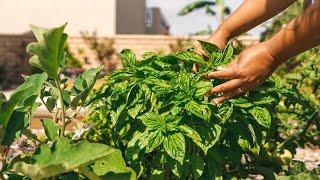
pixel 225 87
pixel 229 95
pixel 200 51
pixel 222 73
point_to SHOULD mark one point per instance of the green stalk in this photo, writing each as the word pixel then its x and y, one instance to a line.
pixel 63 117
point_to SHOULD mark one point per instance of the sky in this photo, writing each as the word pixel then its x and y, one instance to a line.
pixel 195 21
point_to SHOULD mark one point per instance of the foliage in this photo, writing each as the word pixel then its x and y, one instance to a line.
pixel 155 112
pixel 301 74
pixel 221 10
pixel 57 153
pixel 297 170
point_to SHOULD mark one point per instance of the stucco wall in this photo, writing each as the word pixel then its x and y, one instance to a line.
pixel 81 15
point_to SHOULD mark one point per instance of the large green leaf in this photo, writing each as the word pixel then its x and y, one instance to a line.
pixel 24 95
pixel 61 158
pixel 174 145
pixel 48 51
pixel 113 167
pixel 201 110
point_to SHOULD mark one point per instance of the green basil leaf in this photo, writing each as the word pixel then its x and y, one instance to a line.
pixel 200 110
pixel 155 139
pixel 227 54
pixel 151 120
pixel 133 112
pixel 191 133
pixel 128 58
pixel 116 114
pixel 189 56
pixel 210 136
pixel 201 88
pixel 51 103
pixel 66 97
pixel 174 145
pixel 261 115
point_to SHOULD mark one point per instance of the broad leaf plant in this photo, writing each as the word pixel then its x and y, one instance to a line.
pixel 56 155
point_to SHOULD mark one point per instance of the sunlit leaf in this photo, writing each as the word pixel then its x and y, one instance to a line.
pixel 48 51
pixel 174 145
pixel 61 158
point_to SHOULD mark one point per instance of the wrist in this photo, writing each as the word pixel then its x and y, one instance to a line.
pixel 219 37
pixel 274 61
pixel 222 32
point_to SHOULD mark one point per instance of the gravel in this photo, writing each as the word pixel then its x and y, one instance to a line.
pixel 311 157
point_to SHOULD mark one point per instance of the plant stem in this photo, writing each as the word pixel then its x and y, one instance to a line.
pixel 63 111
pixel 166 171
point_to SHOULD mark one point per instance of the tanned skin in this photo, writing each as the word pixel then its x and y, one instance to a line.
pixel 256 63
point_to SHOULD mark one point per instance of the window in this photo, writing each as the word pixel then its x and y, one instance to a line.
pixel 148 18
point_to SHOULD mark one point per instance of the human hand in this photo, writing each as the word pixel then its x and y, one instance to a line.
pixel 247 71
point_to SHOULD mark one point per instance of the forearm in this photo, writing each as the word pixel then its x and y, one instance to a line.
pixel 250 14
pixel 299 35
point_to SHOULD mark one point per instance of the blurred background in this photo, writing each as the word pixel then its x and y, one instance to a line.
pixel 99 29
